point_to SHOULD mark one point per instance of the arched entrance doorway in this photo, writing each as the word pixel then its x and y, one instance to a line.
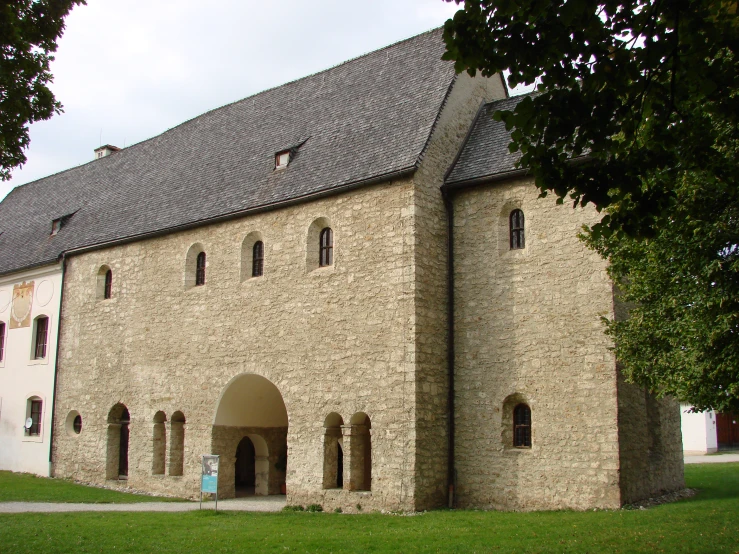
pixel 116 466
pixel 250 435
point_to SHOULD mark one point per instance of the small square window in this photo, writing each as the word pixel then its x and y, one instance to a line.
pixel 282 159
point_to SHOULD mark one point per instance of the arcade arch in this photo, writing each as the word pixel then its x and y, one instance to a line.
pixel 250 435
pixel 116 466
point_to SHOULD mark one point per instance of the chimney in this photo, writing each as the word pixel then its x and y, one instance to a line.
pixel 105 150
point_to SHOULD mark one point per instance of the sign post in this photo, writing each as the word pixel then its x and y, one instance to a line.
pixel 209 477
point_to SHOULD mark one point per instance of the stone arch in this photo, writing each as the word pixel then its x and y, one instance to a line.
pixel 159 443
pixel 360 452
pixel 333 452
pixel 119 419
pixel 103 289
pixel 247 254
pixel 312 243
pixel 177 444
pixel 251 406
pixel 191 260
pixel 509 404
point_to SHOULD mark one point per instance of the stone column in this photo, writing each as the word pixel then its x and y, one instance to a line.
pixel 176 447
pixel 158 449
pixel 355 443
pixel 113 439
pixel 261 475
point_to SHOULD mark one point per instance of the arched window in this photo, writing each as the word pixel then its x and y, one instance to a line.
pixel 2 341
pixel 108 290
pixel 41 332
pixel 116 466
pixel 326 256
pixel 333 453
pixel 257 259
pixel 522 426
pixel 34 409
pixel 200 270
pixel 517 230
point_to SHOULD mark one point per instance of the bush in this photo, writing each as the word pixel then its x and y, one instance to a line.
pixel 293 509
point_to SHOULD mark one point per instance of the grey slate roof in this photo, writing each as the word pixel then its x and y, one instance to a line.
pixel 368 117
pixel 485 152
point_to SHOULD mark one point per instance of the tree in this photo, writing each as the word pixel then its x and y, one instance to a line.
pixel 616 82
pixel 682 334
pixel 636 112
pixel 29 30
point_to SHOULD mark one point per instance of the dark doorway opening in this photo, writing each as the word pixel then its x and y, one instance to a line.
pixel 245 468
pixel 123 450
pixel 340 468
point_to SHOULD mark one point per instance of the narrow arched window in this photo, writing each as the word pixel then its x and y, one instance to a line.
pixel 200 270
pixel 2 341
pixel 326 257
pixel 108 291
pixel 41 338
pixel 257 259
pixel 517 230
pixel 522 426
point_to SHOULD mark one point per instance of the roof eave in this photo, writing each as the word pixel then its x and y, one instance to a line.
pixel 397 174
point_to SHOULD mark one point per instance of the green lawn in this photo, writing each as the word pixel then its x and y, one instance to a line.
pixel 708 522
pixel 23 487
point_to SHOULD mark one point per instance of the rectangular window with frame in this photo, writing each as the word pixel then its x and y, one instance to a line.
pixel 42 331
pixel 36 408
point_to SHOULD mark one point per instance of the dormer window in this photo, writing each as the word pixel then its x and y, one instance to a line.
pixel 282 159
pixel 58 223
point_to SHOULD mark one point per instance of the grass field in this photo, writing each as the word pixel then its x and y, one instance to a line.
pixel 709 522
pixel 23 487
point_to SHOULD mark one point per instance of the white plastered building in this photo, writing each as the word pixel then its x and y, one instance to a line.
pixel 699 431
pixel 29 321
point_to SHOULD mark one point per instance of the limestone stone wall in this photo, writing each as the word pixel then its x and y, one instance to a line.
pixel 226 440
pixel 336 339
pixel 528 330
pixel 650 442
pixel 430 267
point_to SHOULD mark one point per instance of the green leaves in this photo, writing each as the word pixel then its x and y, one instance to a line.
pixel 29 30
pixel 617 81
pixel 637 113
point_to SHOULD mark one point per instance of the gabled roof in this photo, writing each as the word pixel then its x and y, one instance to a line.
pixel 485 153
pixel 359 121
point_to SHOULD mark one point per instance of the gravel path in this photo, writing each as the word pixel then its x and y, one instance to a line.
pixel 713 458
pixel 251 504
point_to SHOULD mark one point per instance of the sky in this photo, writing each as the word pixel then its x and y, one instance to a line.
pixel 128 71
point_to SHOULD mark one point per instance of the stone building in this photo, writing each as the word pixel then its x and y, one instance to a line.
pixel 269 282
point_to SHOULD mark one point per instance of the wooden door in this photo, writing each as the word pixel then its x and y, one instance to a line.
pixel 727 430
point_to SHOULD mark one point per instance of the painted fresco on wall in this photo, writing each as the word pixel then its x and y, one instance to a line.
pixel 20 313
